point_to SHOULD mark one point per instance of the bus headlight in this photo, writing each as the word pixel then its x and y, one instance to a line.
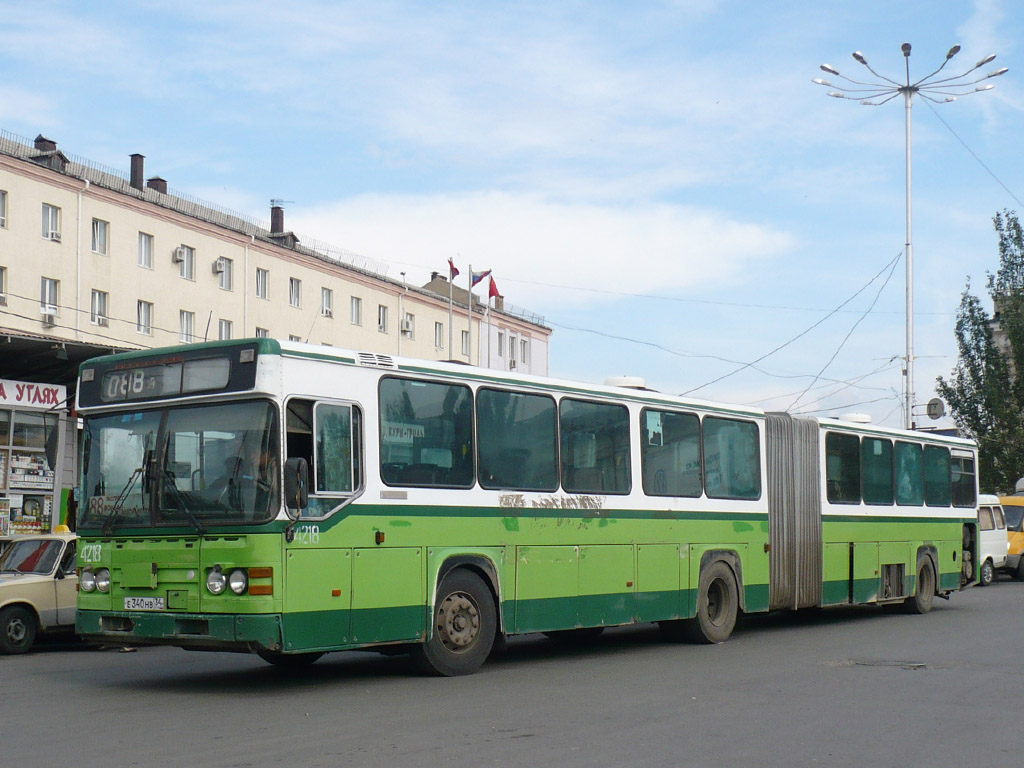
pixel 238 581
pixel 216 580
pixel 103 580
pixel 87 581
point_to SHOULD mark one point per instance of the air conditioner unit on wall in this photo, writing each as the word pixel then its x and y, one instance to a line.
pixel 55 236
pixel 328 313
pixel 178 256
pixel 218 267
pixel 49 313
pixel 406 326
pixel 102 321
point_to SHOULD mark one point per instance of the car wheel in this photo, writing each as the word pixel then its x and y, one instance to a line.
pixel 987 574
pixel 17 629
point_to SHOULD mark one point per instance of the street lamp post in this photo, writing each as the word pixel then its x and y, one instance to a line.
pixel 939 91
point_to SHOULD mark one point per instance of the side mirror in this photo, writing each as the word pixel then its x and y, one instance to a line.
pixel 296 486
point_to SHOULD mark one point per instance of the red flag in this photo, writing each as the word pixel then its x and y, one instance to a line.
pixel 493 291
pixel 453 271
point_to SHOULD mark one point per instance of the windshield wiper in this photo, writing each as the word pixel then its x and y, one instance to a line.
pixel 122 497
pixel 182 503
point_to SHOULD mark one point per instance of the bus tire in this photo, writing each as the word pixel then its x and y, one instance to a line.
pixel 465 623
pixel 987 574
pixel 717 605
pixel 289 660
pixel 924 589
pixel 17 629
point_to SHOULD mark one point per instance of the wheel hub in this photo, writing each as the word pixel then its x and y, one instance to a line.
pixel 16 630
pixel 458 622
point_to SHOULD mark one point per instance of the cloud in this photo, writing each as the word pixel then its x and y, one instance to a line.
pixel 533 244
pixel 23 107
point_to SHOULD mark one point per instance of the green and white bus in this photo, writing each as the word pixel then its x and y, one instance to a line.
pixel 290 500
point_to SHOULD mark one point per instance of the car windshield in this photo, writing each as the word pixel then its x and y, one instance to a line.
pixel 189 465
pixel 31 556
pixel 1014 517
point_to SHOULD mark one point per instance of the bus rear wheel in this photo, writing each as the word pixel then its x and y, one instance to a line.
pixel 924 592
pixel 465 623
pixel 717 605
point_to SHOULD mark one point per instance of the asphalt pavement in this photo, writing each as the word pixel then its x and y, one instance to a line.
pixel 848 687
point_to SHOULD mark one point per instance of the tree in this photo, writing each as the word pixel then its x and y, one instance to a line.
pixel 984 393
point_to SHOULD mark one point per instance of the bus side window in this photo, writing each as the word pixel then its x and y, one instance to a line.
pixel 336 469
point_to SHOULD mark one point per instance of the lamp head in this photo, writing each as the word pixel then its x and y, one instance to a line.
pixel 953 52
pixel 906 49
pixel 860 58
pixel 985 61
pixel 829 68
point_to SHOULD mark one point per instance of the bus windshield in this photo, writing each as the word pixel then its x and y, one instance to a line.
pixel 189 465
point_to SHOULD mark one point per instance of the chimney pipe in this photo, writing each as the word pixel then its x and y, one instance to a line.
pixel 44 144
pixel 138 163
pixel 157 184
pixel 276 220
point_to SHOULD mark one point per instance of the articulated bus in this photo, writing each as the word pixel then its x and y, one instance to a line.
pixel 290 500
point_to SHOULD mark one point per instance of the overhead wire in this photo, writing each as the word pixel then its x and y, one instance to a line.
pixel 891 265
pixel 850 333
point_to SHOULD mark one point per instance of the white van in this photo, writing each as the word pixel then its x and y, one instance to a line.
pixel 993 543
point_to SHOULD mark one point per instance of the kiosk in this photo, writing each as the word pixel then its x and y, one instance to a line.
pixel 33 423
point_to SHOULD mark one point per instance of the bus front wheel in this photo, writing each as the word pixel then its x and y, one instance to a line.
pixel 465 623
pixel 717 605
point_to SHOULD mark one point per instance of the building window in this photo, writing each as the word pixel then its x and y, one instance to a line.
pixel 224 330
pixel 465 343
pixel 186 325
pixel 439 335
pixel 294 292
pixel 262 333
pixel 382 318
pixel 3 209
pixel 145 250
pixel 355 315
pixel 226 273
pixel 48 296
pixel 144 318
pixel 3 285
pixel 501 344
pixel 292 337
pixel 186 257
pixel 327 302
pixel 98 308
pixel 262 283
pixel 524 350
pixel 409 325
pixel 100 232
pixel 512 351
pixel 51 222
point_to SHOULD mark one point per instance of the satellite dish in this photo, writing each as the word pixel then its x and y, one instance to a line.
pixel 936 408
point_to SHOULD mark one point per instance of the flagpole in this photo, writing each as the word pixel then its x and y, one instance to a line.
pixel 469 314
pixel 488 313
pixel 451 281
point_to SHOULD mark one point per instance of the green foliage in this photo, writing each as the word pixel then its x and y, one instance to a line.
pixel 984 393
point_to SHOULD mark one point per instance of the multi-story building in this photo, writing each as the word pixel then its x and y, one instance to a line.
pixel 93 260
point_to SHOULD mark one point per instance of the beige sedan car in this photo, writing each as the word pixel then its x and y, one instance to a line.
pixel 38 588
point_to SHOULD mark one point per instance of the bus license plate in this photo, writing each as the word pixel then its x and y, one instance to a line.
pixel 144 604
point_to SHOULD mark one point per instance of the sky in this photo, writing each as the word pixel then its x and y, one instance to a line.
pixel 661 181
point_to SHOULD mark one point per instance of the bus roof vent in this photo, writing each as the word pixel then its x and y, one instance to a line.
pixel 629 382
pixel 371 360
pixel 856 418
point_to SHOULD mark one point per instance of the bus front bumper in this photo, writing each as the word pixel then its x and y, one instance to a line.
pixel 202 631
